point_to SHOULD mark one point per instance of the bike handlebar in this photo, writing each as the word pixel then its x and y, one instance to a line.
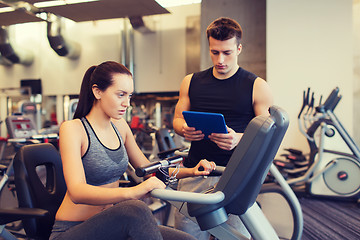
pixel 330 102
pixel 335 103
pixel 305 101
pixel 154 166
pixel 218 171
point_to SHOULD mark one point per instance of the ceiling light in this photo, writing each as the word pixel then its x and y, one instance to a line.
pixel 60 3
pixel 49 4
pixel 174 3
pixel 6 9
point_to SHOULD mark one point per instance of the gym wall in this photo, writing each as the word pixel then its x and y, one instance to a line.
pixel 160 57
pixel 310 44
pixel 356 90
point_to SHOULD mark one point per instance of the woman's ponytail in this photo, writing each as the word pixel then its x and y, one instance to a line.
pixel 86 96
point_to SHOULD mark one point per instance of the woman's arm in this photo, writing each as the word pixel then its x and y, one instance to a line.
pixel 71 142
pixel 137 158
pixel 206 166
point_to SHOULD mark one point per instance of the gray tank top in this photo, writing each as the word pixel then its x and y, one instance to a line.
pixel 103 165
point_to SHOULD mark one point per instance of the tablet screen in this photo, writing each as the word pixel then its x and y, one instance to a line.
pixel 206 122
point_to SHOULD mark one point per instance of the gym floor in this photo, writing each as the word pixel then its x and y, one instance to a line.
pixel 330 219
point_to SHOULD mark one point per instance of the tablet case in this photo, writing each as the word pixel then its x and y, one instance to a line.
pixel 206 122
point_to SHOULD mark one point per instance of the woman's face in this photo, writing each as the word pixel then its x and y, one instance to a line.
pixel 116 98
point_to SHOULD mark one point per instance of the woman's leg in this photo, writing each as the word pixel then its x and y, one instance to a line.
pixel 129 219
pixel 172 234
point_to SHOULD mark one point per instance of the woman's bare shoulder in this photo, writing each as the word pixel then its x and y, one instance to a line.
pixel 74 126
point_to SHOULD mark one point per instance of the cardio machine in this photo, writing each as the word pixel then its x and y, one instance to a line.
pixel 239 184
pixel 333 164
pixel 22 131
pixel 20 128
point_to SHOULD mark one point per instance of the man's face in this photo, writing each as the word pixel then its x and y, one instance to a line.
pixel 224 56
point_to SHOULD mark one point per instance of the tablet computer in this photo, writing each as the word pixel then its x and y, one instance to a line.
pixel 206 122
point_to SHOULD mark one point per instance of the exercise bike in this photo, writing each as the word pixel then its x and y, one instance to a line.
pixel 21 131
pixel 333 164
pixel 237 191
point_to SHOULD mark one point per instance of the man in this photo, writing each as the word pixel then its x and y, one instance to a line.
pixel 224 88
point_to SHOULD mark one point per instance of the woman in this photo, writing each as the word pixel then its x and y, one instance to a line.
pixel 95 149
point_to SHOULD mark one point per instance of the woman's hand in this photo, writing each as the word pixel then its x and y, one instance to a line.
pixel 204 167
pixel 153 183
pixel 143 189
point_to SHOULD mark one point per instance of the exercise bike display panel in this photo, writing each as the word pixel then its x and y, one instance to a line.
pixel 20 126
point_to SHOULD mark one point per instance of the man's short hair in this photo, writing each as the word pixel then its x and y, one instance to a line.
pixel 223 29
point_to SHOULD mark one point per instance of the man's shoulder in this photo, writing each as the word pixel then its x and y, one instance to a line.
pixel 203 73
pixel 247 74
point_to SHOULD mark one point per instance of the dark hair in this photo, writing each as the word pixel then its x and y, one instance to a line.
pixel 102 76
pixel 223 29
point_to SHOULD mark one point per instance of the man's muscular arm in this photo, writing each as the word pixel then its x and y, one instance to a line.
pixel 262 97
pixel 179 124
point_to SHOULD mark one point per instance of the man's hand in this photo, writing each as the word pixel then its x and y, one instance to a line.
pixel 226 141
pixel 191 134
